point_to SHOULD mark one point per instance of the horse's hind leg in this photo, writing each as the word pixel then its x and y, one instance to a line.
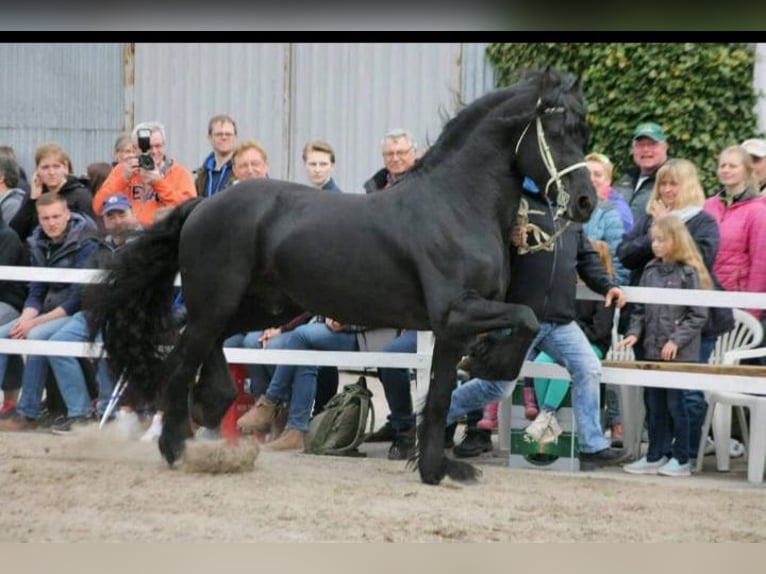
pixel 214 392
pixel 432 463
pixel 184 361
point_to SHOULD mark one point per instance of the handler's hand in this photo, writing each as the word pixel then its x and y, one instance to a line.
pixel 333 325
pixel 669 351
pixel 628 342
pixel 519 235
pixel 615 293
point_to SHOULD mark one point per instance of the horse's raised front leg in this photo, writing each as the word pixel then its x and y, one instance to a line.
pixel 214 392
pixel 497 355
pixel 183 363
pixel 432 463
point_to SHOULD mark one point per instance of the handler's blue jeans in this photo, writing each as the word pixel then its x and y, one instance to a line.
pixel 568 346
pixel 396 383
pixel 298 383
pixel 35 369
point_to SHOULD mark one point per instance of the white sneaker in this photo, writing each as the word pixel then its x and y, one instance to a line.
pixel 536 429
pixel 552 432
pixel 736 448
pixel 643 466
pixel 154 431
pixel 127 424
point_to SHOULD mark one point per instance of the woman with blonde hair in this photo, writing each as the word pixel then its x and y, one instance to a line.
pixel 52 175
pixel 740 264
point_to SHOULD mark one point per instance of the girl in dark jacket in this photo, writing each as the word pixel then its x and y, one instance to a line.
pixel 670 333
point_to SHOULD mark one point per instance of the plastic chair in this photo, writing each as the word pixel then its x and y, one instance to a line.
pixel 746 334
pixel 718 415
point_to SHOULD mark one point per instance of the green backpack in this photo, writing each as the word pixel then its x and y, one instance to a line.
pixel 339 428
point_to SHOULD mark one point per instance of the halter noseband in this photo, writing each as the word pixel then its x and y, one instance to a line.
pixel 562 196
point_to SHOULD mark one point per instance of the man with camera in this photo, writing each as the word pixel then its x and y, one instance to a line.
pixel 150 180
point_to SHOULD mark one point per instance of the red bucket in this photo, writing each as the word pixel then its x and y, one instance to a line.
pixel 229 430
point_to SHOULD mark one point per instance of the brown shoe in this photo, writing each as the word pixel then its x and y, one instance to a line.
pixel 290 439
pixel 18 423
pixel 259 417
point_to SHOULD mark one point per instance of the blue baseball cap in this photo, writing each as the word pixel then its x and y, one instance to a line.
pixel 118 202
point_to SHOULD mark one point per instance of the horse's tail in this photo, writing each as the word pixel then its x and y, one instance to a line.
pixel 132 308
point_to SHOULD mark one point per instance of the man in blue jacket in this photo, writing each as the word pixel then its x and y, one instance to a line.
pixel 63 240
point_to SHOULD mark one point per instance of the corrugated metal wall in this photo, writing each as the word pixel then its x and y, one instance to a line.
pixel 70 94
pixel 82 96
pixel 352 94
pixel 184 85
pixel 347 94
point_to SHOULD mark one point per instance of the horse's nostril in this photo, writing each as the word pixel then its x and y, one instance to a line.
pixel 585 204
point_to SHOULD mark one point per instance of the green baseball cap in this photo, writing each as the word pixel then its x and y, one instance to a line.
pixel 649 130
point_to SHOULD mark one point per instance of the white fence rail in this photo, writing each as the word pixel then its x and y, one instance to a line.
pixel 420 361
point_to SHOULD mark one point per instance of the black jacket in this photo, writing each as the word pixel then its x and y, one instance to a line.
pixel 547 280
pixel 12 252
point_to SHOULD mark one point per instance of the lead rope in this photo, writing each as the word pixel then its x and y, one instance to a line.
pixel 543 240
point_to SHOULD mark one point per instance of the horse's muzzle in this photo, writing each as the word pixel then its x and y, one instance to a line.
pixel 581 209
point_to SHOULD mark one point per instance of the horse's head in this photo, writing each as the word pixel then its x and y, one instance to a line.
pixel 551 147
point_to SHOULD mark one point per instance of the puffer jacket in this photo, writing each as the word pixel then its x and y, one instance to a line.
pixel 662 322
pixel 741 263
pixel 605 224
pixel 74 253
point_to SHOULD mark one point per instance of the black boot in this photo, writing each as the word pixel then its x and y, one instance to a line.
pixel 476 442
pixel 403 445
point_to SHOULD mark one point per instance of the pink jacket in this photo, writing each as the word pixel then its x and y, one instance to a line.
pixel 740 264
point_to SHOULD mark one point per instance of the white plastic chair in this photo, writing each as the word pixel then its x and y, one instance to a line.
pixel 746 334
pixel 718 414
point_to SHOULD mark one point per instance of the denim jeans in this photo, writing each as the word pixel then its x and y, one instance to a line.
pixel 664 406
pixel 568 346
pixel 696 405
pixel 297 383
pixel 260 375
pixel 68 371
pixel 396 383
pixel 35 369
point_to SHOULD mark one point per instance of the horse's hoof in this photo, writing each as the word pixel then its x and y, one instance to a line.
pixel 462 471
pixel 432 475
pixel 171 450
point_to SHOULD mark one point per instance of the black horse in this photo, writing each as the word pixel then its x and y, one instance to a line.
pixel 431 253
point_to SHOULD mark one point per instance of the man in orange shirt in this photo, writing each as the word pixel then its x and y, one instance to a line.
pixel 164 183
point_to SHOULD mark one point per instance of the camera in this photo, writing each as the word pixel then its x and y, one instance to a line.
pixel 145 161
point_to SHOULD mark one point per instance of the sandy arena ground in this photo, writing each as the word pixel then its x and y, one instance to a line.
pixel 95 487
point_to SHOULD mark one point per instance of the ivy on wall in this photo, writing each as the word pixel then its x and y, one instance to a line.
pixel 701 94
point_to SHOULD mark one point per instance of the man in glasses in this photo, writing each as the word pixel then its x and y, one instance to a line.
pixel 215 173
pixel 399 152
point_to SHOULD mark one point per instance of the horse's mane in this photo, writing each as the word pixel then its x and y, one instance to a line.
pixel 551 87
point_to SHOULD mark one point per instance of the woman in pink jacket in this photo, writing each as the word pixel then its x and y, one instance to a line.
pixel 741 215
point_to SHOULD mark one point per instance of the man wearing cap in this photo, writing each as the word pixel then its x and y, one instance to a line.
pixel 757 150
pixel 650 151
